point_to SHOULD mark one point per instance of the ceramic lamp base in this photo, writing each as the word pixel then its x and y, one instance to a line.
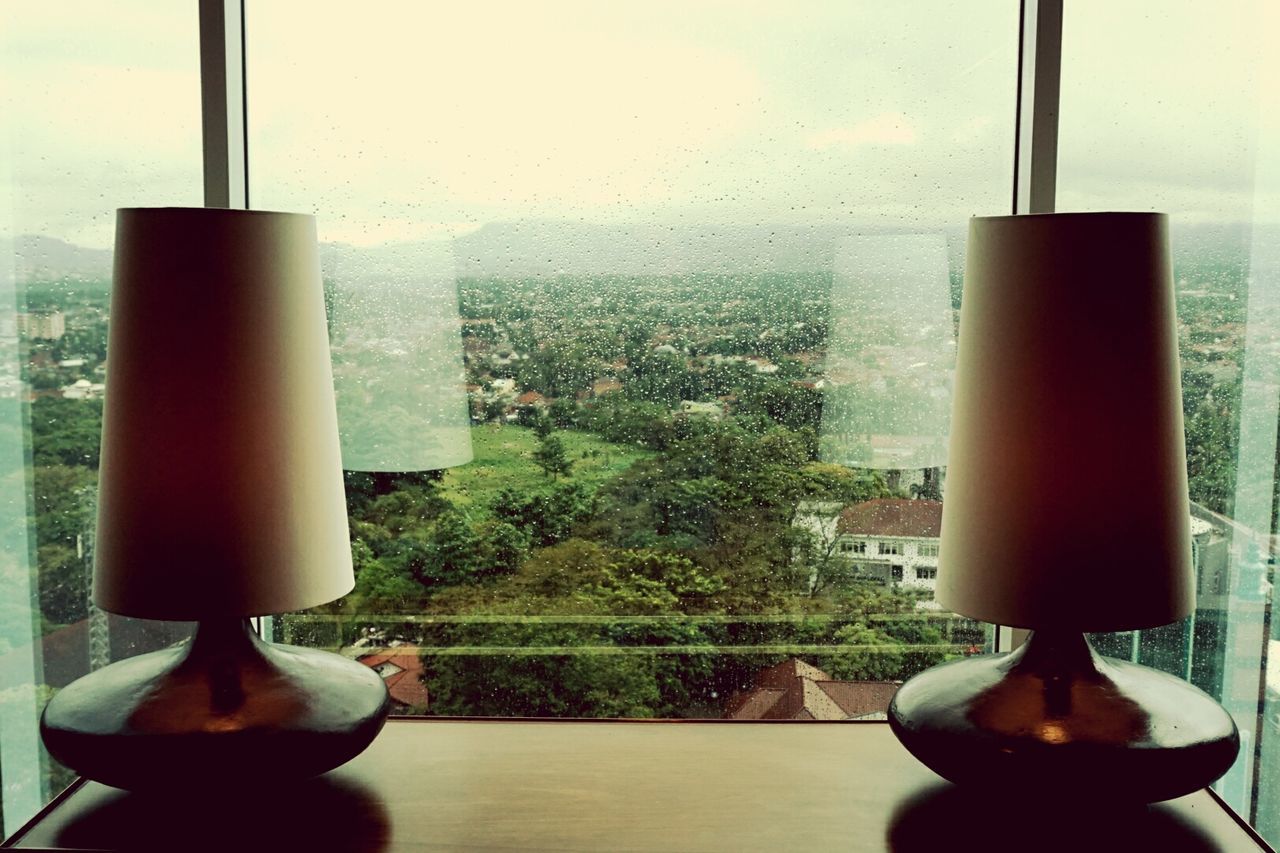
pixel 1056 718
pixel 204 712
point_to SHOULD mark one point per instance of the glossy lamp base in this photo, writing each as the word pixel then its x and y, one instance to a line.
pixel 222 707
pixel 1057 719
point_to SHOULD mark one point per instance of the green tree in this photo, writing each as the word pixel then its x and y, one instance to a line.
pixel 65 432
pixel 868 654
pixel 545 517
pixel 551 457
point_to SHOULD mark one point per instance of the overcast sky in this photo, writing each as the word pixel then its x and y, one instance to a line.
pixel 413 119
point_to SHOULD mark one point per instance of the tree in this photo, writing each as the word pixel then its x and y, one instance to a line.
pixel 818 558
pixel 545 517
pixel 868 654
pixel 551 457
pixel 542 426
pixel 65 432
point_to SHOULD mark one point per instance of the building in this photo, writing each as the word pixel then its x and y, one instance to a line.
pixel 795 690
pixel 83 389
pixel 47 325
pixel 401 670
pixel 892 540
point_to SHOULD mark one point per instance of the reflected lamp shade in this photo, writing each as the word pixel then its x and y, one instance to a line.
pixel 397 357
pixel 890 355
pixel 1067 489
pixel 221 489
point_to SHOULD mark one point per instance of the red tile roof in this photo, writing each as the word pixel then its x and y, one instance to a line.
pixel 892 517
pixel 406 687
pixel 795 690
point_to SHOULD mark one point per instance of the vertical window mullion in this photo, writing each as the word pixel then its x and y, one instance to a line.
pixel 222 101
pixel 1035 154
pixel 224 123
pixel 1040 71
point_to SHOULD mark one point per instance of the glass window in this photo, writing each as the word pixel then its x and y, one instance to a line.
pixel 1172 108
pixel 101 110
pixel 650 219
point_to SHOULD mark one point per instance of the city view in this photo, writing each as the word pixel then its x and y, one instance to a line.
pixel 643 321
pixel 651 524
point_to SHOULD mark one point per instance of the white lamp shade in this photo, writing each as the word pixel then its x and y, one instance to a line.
pixel 221 482
pixel 1066 499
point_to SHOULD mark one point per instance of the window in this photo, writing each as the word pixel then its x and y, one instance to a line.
pixel 1212 167
pixel 76 146
pixel 641 257
pixel 650 261
pixel 926 573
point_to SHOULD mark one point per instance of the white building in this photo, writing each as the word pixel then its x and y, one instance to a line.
pixel 896 541
pixel 892 540
pixel 83 389
pixel 48 325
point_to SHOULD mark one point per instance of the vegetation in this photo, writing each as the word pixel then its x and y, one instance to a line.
pixel 624 543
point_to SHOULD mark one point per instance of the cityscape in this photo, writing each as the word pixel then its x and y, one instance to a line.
pixel 660 512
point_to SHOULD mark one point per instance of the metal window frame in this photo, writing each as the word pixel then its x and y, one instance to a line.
pixel 1035 154
pixel 223 104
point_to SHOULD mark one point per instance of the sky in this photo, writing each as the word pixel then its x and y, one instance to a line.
pixel 415 120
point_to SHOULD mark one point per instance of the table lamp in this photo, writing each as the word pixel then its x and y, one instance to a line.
pixel 1066 512
pixel 220 498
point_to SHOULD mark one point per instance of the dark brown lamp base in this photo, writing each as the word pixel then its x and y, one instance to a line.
pixel 1057 719
pixel 210 710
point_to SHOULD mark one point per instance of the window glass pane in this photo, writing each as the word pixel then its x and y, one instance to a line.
pixel 699 264
pixel 101 110
pixel 1171 107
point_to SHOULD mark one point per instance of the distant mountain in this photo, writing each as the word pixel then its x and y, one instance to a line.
pixel 40 258
pixel 550 247
pixel 553 248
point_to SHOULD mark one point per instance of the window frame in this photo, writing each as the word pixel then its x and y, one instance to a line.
pixel 225 151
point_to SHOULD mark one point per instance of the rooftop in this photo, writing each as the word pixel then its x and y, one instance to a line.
pixel 892 517
pixel 795 690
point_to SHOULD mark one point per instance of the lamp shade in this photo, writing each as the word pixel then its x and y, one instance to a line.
pixel 397 357
pixel 1066 489
pixel 890 353
pixel 220 488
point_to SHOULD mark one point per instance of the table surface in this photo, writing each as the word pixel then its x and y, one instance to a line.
pixel 507 785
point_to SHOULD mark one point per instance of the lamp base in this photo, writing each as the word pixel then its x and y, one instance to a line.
pixel 204 712
pixel 1056 718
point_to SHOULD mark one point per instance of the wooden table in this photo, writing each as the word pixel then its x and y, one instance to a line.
pixel 503 785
